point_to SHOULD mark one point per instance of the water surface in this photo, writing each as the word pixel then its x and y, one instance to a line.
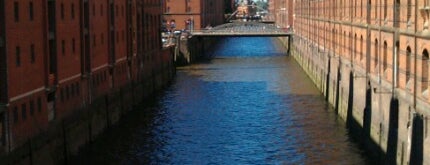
pixel 250 104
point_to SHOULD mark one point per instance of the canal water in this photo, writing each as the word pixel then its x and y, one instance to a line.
pixel 249 104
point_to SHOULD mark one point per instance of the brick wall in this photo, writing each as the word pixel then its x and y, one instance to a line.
pixel 384 46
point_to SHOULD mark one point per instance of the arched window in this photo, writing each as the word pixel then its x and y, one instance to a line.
pixel 408 63
pixel 384 60
pixel 385 9
pixel 361 47
pixel 355 47
pixel 397 63
pixel 376 10
pixel 409 10
pixel 397 11
pixel 344 43
pixel 375 58
pixel 425 70
pixel 355 8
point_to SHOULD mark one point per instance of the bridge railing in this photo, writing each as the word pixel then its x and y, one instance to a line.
pixel 278 30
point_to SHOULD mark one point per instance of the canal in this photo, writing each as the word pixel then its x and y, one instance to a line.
pixel 249 104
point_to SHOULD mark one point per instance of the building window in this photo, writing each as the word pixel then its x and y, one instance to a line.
pixel 72 90
pixel 63 47
pixel 117 37
pixel 408 63
pixel 18 56
pixel 32 54
pixel 361 48
pixel 122 10
pixel 361 9
pixel 94 40
pixel 376 9
pixel 385 9
pixel 24 112
pixel 62 95
pixel 375 58
pixel 16 11
pixel 409 10
pixel 102 37
pixel 73 46
pixel 72 9
pixel 384 58
pixel 31 107
pixel 39 104
pixel 31 11
pixel 67 92
pixel 425 70
pixel 355 47
pixel 15 114
pixel 62 11
pixel 78 89
pixel 117 11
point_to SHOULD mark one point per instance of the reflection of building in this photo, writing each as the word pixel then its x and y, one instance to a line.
pixel 195 14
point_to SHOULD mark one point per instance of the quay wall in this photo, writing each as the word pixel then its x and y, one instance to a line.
pixel 380 116
pixel 66 137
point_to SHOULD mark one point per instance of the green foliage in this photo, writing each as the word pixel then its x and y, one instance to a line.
pixel 262 4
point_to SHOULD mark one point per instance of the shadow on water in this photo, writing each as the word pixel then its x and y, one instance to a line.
pixel 327 86
pixel 367 115
pixel 337 91
pixel 393 132
pixel 352 124
pixel 417 147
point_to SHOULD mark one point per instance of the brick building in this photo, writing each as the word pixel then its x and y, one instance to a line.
pixel 283 11
pixel 57 57
pixel 371 60
pixel 194 14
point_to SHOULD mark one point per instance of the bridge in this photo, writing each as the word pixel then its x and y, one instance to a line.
pixel 243 29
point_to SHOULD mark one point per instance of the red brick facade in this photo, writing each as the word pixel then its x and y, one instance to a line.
pixel 283 11
pixel 58 56
pixel 377 52
pixel 202 12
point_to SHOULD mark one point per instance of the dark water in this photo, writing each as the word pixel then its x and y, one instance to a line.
pixel 250 104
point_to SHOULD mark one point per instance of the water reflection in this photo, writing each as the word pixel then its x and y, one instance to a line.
pixel 251 104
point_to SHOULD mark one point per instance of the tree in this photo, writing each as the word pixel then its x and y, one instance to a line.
pixel 262 4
